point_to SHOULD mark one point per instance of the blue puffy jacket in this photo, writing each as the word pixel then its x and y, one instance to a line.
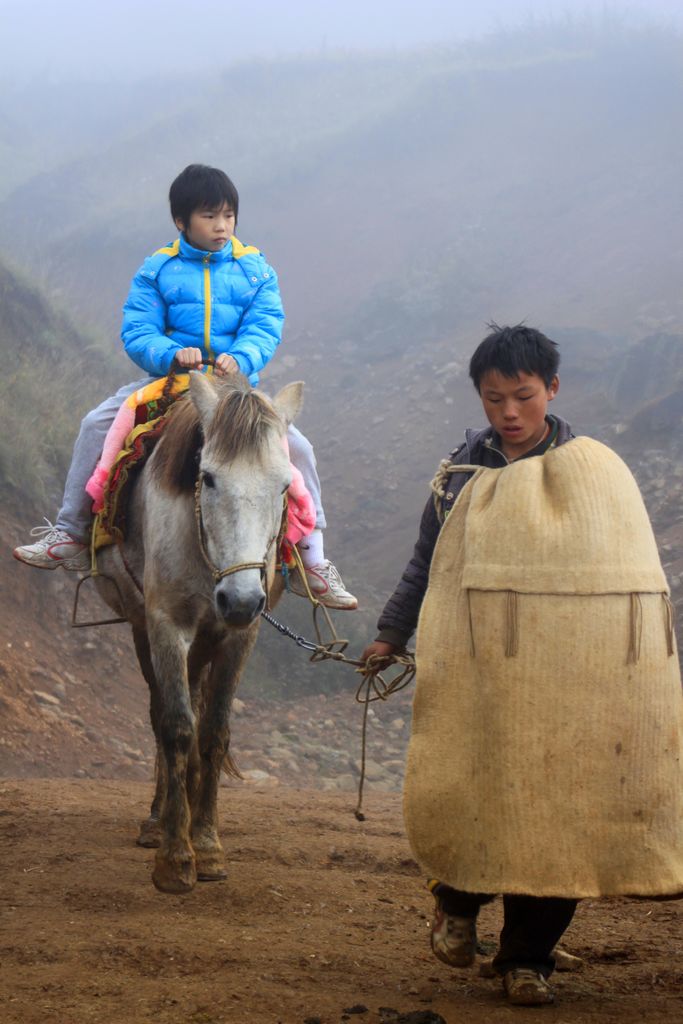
pixel 226 301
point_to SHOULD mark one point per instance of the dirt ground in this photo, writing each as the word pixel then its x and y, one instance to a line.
pixel 322 919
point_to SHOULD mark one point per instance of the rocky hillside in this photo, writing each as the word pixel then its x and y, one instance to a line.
pixel 50 369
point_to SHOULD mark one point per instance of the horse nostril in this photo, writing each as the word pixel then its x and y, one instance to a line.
pixel 239 609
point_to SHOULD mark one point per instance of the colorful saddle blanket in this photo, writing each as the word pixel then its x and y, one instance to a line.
pixel 137 427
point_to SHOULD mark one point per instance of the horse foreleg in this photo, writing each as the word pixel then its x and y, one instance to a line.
pixel 174 868
pixel 197 671
pixel 149 834
pixel 214 742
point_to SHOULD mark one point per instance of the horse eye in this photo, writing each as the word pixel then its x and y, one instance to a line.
pixel 208 480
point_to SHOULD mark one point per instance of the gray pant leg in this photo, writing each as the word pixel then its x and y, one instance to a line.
pixel 74 515
pixel 303 457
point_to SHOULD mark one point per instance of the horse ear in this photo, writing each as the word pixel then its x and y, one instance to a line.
pixel 204 396
pixel 289 401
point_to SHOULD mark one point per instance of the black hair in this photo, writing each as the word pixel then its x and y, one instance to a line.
pixel 515 350
pixel 199 187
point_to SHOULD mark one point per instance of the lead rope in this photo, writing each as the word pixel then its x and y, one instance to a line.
pixel 373 685
pixel 374 681
pixel 370 670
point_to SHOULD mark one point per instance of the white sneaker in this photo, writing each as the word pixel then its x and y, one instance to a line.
pixel 326 586
pixel 54 548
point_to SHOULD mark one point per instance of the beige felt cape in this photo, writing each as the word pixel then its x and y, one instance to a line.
pixel 546 751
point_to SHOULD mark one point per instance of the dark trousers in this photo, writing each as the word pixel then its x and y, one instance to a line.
pixel 532 926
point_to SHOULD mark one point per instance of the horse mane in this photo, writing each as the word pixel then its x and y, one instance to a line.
pixel 242 422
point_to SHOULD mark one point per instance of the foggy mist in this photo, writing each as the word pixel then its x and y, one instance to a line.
pixel 75 39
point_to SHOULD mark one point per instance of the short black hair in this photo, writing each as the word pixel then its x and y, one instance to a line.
pixel 515 350
pixel 199 187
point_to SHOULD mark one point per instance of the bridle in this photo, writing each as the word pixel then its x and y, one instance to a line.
pixel 262 566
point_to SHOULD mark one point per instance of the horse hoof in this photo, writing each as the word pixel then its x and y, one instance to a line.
pixel 176 877
pixel 210 871
pixel 149 835
pixel 209 857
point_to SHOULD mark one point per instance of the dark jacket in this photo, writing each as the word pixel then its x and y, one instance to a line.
pixel 481 448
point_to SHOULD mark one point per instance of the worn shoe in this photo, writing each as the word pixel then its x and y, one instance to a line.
pixel 526 987
pixel 564 962
pixel 54 548
pixel 326 586
pixel 454 939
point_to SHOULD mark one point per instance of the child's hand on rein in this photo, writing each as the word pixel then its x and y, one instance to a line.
pixel 225 364
pixel 188 359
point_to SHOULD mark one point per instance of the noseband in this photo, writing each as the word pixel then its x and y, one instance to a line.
pixel 219 574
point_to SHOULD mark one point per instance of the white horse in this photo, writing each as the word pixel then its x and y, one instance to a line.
pixel 192 578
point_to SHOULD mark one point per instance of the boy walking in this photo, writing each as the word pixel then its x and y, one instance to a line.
pixel 205 296
pixel 485 770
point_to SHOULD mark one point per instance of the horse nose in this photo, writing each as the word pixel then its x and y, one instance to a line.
pixel 239 607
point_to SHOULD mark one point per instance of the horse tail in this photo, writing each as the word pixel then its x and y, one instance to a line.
pixel 230 768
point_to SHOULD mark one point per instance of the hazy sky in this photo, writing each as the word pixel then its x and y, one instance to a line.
pixel 74 38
